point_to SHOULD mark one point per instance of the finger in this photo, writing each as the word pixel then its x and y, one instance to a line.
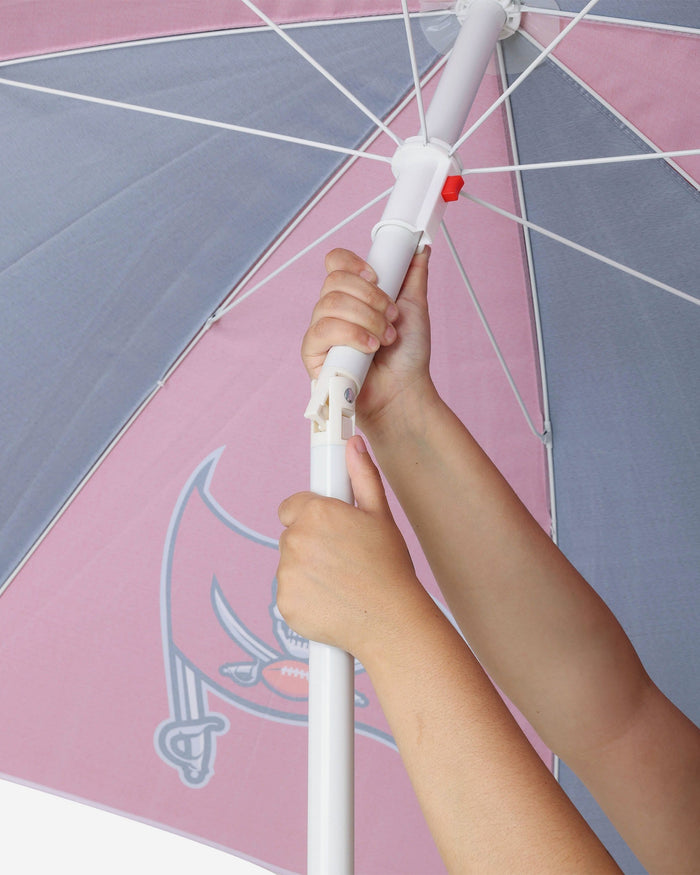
pixel 365 478
pixel 342 320
pixel 291 508
pixel 325 333
pixel 346 283
pixel 344 259
pixel 372 316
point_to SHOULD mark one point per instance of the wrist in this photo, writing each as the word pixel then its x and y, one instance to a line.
pixel 406 417
pixel 393 643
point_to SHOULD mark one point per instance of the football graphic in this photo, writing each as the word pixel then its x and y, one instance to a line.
pixel 288 678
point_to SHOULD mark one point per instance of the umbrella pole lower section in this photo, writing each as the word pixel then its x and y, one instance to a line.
pixel 331 768
pixel 331 761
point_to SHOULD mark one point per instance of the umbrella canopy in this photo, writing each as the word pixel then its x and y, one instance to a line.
pixel 170 180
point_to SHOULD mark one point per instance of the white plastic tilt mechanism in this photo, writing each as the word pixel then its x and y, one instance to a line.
pixel 328 471
pixel 421 170
pixel 427 178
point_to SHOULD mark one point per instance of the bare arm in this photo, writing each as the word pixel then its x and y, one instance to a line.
pixel 345 578
pixel 545 636
pixel 538 628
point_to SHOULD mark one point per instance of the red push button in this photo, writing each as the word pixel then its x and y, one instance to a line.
pixel 452 187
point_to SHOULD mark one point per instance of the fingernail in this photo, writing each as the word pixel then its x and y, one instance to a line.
pixel 390 334
pixel 373 343
pixel 392 312
pixel 359 445
pixel 369 275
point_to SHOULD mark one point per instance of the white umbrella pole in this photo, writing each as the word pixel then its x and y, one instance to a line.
pixel 411 218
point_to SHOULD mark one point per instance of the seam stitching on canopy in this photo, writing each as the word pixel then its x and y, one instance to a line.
pixel 544 53
pixel 601 105
pixel 612 20
pixel 205 34
pixel 585 250
pixel 626 129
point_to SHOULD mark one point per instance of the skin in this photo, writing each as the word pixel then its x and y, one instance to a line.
pixel 536 626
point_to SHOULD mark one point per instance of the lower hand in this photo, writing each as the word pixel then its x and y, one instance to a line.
pixel 345 574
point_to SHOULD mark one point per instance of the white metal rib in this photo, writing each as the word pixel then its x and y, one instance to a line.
pixel 255 268
pixel 610 19
pixel 414 69
pixel 322 70
pixel 226 126
pixel 222 311
pixel 584 250
pixel 160 384
pixel 521 78
pixel 196 35
pixel 583 162
pixel 544 385
pixel 489 333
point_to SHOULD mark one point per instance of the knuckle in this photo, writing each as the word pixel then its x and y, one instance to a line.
pixel 289 542
pixel 313 522
pixel 285 606
pixel 288 598
pixel 335 256
pixel 336 279
pixel 283 599
pixel 320 506
pixel 308 341
pixel 334 300
pixel 320 327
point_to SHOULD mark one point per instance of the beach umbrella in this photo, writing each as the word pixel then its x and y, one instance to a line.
pixel 171 176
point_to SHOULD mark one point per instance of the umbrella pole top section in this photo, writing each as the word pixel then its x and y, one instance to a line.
pixel 422 168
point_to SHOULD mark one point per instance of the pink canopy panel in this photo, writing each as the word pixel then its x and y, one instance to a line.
pixel 143 664
pixel 33 27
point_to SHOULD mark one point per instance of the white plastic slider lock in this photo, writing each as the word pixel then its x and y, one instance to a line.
pixel 416 201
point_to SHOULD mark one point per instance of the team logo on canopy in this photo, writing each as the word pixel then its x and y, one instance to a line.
pixel 223 635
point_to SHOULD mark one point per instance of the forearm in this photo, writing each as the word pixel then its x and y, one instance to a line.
pixel 537 627
pixel 490 803
pixel 531 619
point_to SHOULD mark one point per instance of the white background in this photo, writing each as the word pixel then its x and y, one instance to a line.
pixel 41 833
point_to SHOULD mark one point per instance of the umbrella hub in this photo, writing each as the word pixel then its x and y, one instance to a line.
pixel 418 199
pixel 510 7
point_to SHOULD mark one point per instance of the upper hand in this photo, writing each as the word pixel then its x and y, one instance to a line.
pixel 354 311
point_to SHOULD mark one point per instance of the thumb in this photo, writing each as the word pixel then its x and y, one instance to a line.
pixel 366 480
pixel 415 285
